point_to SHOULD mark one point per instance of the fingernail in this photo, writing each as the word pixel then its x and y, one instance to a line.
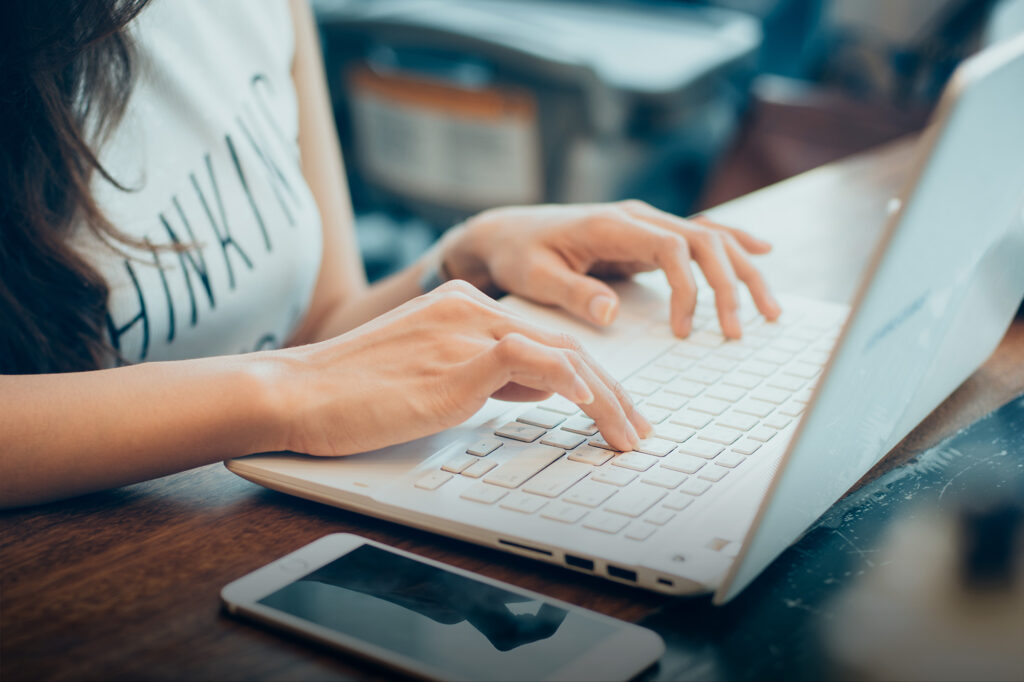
pixel 731 320
pixel 601 309
pixel 685 327
pixel 584 396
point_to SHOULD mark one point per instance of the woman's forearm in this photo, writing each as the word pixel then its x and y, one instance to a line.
pixel 65 434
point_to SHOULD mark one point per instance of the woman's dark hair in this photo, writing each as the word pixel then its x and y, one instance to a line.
pixel 65 78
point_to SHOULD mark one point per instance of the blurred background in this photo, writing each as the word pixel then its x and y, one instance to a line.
pixel 449 107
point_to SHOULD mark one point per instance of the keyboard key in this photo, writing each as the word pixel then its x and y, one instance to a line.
pixel 660 375
pixel 792 409
pixel 688 464
pixel 676 434
pixel 685 388
pixel 730 460
pixel 770 395
pixel 735 420
pixel 693 486
pixel 758 368
pixel 666 401
pixel 706 339
pixel 720 434
pixel 786 382
pixel 804 370
pixel 694 420
pixel 484 447
pixel 655 415
pixel 700 448
pixel 519 431
pixel 634 461
pixel 600 442
pixel 816 357
pixel 773 356
pixel 634 501
pixel 641 386
pixel 557 478
pixel 656 447
pixel 545 419
pixel 521 502
pixel 663 478
pixel 728 393
pixel 803 333
pixel 676 363
pixel 606 523
pixel 557 403
pixel 762 433
pixel 523 466
pixel 789 345
pixel 459 463
pixel 588 454
pixel 718 364
pixel 584 426
pixel 713 473
pixel 709 405
pixel 689 350
pixel 660 516
pixel 479 468
pixel 483 493
pixel 742 380
pixel 733 351
pixel 563 439
pixel 640 531
pixel 777 422
pixel 804 396
pixel 433 480
pixel 758 408
pixel 563 513
pixel 589 493
pixel 678 501
pixel 703 376
pixel 616 477
pixel 747 446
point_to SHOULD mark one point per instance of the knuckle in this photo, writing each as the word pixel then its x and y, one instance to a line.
pixel 569 342
pixel 632 205
pixel 510 347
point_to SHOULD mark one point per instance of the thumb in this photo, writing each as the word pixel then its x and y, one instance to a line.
pixel 585 297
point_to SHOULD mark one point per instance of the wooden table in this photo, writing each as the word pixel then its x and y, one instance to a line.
pixel 124 584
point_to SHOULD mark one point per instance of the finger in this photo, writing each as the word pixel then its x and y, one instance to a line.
pixel 753 279
pixel 617 234
pixel 519 359
pixel 708 251
pixel 749 242
pixel 552 281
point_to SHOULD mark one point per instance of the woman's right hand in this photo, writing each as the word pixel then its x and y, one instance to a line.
pixel 429 365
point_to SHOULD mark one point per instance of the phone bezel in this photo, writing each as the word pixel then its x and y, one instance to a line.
pixel 624 654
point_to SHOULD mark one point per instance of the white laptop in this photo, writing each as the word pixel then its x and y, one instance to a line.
pixel 756 438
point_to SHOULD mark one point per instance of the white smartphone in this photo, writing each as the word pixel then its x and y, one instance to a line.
pixel 436 621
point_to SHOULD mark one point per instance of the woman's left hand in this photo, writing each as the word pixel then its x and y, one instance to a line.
pixel 551 254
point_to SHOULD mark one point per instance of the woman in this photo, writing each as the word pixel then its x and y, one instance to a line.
pixel 179 277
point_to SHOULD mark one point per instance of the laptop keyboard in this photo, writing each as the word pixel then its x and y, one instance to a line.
pixel 714 404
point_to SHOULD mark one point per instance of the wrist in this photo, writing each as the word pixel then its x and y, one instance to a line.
pixel 461 255
pixel 260 383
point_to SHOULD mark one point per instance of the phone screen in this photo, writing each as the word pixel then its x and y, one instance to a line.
pixel 452 623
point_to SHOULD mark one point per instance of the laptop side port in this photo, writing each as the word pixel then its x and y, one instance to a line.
pixel 665 581
pixel 579 562
pixel 621 573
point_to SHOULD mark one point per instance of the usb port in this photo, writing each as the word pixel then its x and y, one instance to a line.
pixel 579 562
pixel 621 573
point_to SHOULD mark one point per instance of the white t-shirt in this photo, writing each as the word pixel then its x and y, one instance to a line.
pixel 209 147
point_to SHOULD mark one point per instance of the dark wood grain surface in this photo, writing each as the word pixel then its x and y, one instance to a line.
pixel 124 584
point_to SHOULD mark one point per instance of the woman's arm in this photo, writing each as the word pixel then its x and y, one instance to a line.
pixel 66 434
pixel 423 367
pixel 341 300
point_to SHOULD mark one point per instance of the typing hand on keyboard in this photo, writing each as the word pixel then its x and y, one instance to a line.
pixel 549 254
pixel 429 365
